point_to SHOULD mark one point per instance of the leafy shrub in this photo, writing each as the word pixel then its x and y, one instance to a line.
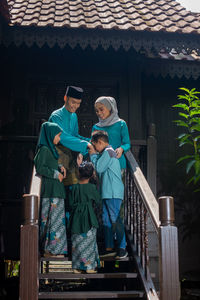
pixel 190 120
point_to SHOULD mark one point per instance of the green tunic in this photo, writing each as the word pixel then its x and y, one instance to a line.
pixel 82 215
pixel 47 166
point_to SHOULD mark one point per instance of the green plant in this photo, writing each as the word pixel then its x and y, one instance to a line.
pixel 190 120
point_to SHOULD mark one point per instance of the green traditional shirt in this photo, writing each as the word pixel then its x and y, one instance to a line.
pixel 47 166
pixel 82 215
pixel 118 137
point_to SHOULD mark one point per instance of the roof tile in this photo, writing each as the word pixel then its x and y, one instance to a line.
pixel 145 15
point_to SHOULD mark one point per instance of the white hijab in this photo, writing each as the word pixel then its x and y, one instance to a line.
pixel 109 103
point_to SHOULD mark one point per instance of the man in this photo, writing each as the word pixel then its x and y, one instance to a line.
pixel 71 142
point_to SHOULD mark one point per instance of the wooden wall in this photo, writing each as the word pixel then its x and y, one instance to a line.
pixel 33 85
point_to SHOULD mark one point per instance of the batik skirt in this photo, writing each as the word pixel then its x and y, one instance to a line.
pixel 53 237
pixel 85 254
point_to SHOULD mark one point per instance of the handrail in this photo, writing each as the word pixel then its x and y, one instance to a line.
pixel 148 198
pixel 35 184
pixel 140 203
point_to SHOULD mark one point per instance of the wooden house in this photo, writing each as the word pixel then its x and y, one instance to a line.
pixel 138 51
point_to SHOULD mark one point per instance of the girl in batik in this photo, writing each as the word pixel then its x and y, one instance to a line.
pixel 83 223
pixel 53 238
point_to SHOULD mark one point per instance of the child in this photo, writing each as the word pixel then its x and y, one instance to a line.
pixel 53 239
pixel 109 121
pixel 83 222
pixel 112 192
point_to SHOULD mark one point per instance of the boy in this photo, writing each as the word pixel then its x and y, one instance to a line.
pixel 108 168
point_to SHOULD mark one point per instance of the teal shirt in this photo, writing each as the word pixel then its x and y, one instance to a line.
pixel 82 215
pixel 69 124
pixel 108 168
pixel 47 166
pixel 118 137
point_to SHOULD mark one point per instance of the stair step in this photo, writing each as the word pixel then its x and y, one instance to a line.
pixel 109 258
pixel 91 294
pixel 112 258
pixel 54 259
pixel 65 275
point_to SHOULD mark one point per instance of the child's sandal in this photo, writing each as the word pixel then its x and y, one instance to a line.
pixel 91 271
pixel 76 271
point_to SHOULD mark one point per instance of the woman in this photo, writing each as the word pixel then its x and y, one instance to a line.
pixel 109 121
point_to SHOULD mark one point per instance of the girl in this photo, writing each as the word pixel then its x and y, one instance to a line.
pixel 53 239
pixel 109 121
pixel 83 222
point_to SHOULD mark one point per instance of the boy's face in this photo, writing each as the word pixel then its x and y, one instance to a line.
pixel 72 104
pixel 99 145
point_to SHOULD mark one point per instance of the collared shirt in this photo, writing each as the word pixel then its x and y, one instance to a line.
pixel 118 137
pixel 108 168
pixel 69 123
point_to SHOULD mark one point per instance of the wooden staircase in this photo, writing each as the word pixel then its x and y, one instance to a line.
pixel 115 279
pixel 132 278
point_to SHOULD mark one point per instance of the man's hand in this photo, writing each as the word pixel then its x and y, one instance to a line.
pixel 119 152
pixel 91 149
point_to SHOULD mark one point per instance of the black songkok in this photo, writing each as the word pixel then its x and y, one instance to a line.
pixel 74 92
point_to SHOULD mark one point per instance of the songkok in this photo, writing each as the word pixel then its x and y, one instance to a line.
pixel 74 92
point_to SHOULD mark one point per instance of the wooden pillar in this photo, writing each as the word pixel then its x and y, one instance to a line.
pixel 168 247
pixel 152 158
pixel 29 249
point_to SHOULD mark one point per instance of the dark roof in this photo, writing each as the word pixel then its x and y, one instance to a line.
pixel 136 15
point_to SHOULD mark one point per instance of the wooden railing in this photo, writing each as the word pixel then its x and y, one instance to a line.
pixel 29 250
pixel 140 203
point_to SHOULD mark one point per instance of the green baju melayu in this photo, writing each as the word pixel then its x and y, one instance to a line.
pixel 71 142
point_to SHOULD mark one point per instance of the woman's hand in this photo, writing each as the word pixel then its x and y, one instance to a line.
pixel 63 171
pixel 119 152
pixel 60 177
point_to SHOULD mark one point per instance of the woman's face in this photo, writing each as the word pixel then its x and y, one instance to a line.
pixel 56 139
pixel 102 111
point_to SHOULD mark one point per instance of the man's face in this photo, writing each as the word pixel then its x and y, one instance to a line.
pixel 72 104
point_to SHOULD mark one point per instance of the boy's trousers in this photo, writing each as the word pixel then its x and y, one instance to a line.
pixel 113 223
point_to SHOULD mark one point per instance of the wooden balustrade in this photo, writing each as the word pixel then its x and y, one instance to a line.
pixel 29 249
pixel 168 240
pixel 140 202
pixel 29 253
